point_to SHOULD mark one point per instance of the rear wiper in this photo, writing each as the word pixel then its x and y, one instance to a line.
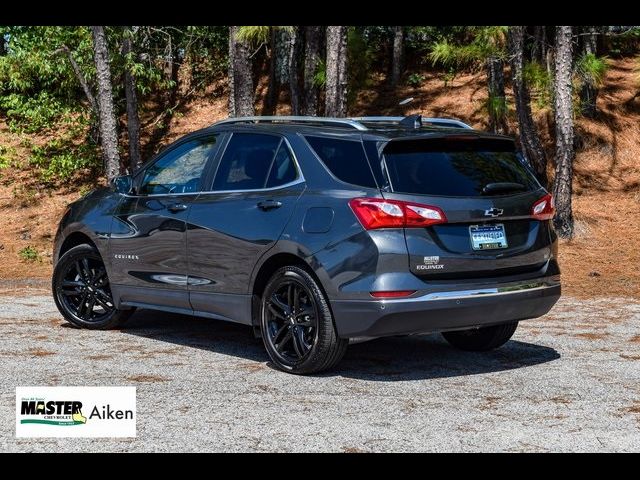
pixel 503 187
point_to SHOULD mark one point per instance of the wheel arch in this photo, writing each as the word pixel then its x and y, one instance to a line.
pixel 73 240
pixel 268 268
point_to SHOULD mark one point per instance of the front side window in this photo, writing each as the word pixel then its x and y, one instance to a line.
pixel 180 170
pixel 254 162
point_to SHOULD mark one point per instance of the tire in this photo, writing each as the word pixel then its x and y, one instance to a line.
pixel 297 325
pixel 481 339
pixel 81 290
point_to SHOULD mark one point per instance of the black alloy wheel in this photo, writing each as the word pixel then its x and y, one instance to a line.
pixel 82 292
pixel 297 325
pixel 291 321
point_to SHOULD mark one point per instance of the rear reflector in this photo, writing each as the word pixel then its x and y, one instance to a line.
pixel 393 294
pixel 543 209
pixel 380 213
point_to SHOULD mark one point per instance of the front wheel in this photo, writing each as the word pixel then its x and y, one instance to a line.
pixel 82 292
pixel 481 339
pixel 297 324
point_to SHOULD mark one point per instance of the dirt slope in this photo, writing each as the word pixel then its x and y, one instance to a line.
pixel 602 259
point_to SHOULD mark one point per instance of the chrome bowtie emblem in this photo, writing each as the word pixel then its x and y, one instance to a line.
pixel 494 212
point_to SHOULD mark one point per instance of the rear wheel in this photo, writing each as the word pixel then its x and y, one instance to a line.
pixel 297 324
pixel 481 339
pixel 82 292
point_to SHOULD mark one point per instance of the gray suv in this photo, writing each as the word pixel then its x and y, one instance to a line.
pixel 318 232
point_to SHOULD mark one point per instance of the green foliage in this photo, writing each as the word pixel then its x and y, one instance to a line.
pixel 320 77
pixel 7 156
pixel 258 34
pixel 591 69
pixel 360 56
pixel 540 84
pixel 480 44
pixel 33 114
pixel 205 52
pixel 415 79
pixel 29 254
pixel 254 34
pixel 38 87
pixel 60 158
pixel 497 106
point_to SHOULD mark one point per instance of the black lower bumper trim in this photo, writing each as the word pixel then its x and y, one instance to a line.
pixel 441 312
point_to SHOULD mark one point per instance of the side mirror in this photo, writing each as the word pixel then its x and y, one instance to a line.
pixel 123 184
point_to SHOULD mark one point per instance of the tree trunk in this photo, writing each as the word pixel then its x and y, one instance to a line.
pixel 273 89
pixel 529 138
pixel 397 56
pixel 81 80
pixel 550 52
pixel 539 46
pixel 312 52
pixel 3 45
pixel 281 52
pixel 108 132
pixel 336 83
pixel 133 120
pixel 231 74
pixel 588 90
pixel 563 107
pixel 497 100
pixel 294 78
pixel 240 77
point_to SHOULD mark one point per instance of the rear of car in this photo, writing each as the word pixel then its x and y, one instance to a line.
pixel 319 231
pixel 479 249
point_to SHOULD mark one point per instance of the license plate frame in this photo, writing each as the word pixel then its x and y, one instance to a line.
pixel 488 237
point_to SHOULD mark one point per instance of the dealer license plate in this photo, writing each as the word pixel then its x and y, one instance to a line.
pixel 487 237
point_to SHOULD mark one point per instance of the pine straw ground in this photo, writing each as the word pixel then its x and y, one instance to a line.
pixel 602 259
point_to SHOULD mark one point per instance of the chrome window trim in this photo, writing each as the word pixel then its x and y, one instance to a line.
pixel 300 178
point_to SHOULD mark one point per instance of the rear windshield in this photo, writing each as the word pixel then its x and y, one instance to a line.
pixel 468 168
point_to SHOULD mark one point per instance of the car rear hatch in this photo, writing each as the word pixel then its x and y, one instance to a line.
pixel 485 194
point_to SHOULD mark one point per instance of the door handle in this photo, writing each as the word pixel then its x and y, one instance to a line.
pixel 269 205
pixel 177 207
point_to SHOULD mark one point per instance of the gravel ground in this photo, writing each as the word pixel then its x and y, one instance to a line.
pixel 569 381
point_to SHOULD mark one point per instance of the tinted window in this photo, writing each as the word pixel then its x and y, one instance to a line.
pixel 246 162
pixel 283 169
pixel 345 159
pixel 179 170
pixel 464 168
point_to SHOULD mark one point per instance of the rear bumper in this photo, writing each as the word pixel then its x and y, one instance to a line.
pixel 446 310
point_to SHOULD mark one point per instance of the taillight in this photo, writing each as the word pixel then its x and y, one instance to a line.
pixel 392 293
pixel 379 213
pixel 543 209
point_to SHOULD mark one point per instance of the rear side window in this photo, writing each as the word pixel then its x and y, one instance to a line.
pixel 283 170
pixel 465 168
pixel 255 161
pixel 345 159
pixel 246 162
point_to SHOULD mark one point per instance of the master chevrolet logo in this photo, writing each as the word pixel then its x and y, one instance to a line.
pixel 75 411
pixel 60 412
pixel 431 262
